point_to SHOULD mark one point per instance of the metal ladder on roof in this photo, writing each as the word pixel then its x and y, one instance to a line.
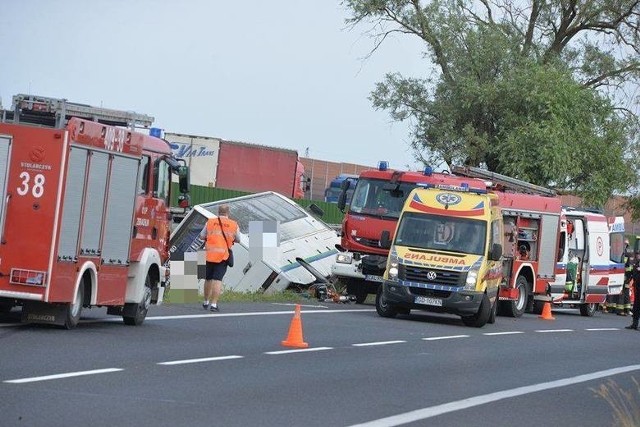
pixel 55 112
pixel 504 181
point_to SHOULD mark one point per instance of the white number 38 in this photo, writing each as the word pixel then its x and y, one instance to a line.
pixel 38 185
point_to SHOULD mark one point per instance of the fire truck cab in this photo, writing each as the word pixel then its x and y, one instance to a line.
pixel 84 211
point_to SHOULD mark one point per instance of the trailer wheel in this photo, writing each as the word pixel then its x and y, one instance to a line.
pixel 383 307
pixel 73 309
pixel 479 319
pixel 516 308
pixel 140 309
pixel 588 310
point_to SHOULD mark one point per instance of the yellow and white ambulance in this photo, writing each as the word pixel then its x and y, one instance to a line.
pixel 445 255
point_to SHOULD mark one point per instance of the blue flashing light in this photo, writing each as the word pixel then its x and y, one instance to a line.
pixel 157 132
pixel 383 165
pixel 465 185
pixel 428 170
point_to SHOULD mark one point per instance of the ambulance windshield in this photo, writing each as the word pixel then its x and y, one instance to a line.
pixel 462 235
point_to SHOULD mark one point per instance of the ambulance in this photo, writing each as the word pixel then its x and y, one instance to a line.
pixel 445 255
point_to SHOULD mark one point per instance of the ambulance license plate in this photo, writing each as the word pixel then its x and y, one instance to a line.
pixel 428 301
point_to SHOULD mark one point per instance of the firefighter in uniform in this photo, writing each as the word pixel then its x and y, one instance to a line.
pixel 635 278
pixel 624 302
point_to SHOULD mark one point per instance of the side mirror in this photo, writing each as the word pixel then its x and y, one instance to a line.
pixel 385 239
pixel 315 209
pixel 183 179
pixel 342 200
pixel 496 252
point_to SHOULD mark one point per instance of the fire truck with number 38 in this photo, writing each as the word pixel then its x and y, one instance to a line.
pixel 84 211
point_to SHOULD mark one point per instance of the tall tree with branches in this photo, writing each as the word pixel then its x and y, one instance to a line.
pixel 533 89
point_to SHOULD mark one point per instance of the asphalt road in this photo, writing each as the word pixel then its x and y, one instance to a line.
pixel 186 367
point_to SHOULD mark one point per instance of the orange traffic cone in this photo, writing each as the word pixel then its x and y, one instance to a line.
pixel 294 339
pixel 546 312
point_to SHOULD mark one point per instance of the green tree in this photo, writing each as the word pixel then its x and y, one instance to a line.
pixel 530 89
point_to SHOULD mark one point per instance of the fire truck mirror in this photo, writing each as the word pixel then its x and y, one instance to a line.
pixel 496 252
pixel 183 179
pixel 385 239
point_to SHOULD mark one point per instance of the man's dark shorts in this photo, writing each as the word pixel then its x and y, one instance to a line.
pixel 216 270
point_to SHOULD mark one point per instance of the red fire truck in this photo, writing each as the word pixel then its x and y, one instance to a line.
pixel 84 211
pixel 375 207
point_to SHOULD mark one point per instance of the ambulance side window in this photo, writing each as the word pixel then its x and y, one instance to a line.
pixel 162 180
pixel 143 176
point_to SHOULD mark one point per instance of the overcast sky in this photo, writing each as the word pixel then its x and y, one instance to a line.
pixel 283 73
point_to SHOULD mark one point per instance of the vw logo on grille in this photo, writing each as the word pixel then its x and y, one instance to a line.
pixel 431 275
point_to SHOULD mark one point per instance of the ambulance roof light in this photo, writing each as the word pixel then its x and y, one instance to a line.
pixel 428 170
pixel 383 165
pixel 464 185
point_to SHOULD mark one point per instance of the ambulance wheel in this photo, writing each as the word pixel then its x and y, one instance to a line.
pixel 516 308
pixel 140 310
pixel 383 307
pixel 588 310
pixel 481 318
pixel 494 311
pixel 73 310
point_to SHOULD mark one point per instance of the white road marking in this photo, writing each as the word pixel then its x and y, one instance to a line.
pixel 553 330
pixel 445 338
pixel 491 334
pixel 602 329
pixel 366 344
pixel 203 359
pixel 58 376
pixel 433 411
pixel 299 350
pixel 260 313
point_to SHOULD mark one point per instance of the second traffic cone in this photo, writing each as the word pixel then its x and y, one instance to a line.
pixel 294 338
pixel 546 312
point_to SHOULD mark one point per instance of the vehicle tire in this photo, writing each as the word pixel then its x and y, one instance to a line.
pixel 538 306
pixel 141 308
pixel 494 312
pixel 479 319
pixel 357 288
pixel 588 310
pixel 74 309
pixel 383 307
pixel 516 308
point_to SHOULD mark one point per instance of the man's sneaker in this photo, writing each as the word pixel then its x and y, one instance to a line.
pixel 631 327
pixel 215 309
pixel 206 305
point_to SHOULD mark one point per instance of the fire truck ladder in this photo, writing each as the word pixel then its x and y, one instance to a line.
pixel 506 182
pixel 55 112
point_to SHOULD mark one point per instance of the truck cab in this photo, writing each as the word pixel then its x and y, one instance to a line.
pixel 445 256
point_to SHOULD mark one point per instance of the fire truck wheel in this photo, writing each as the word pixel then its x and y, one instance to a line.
pixel 588 309
pixel 481 318
pixel 74 309
pixel 516 308
pixel 357 288
pixel 383 307
pixel 141 308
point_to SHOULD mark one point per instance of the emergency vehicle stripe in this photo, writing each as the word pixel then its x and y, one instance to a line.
pixel 429 209
pixel 63 166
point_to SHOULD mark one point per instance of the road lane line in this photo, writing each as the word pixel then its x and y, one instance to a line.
pixel 366 344
pixel 445 408
pixel 543 331
pixel 491 334
pixel 203 359
pixel 602 329
pixel 66 375
pixel 450 337
pixel 301 350
pixel 259 313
